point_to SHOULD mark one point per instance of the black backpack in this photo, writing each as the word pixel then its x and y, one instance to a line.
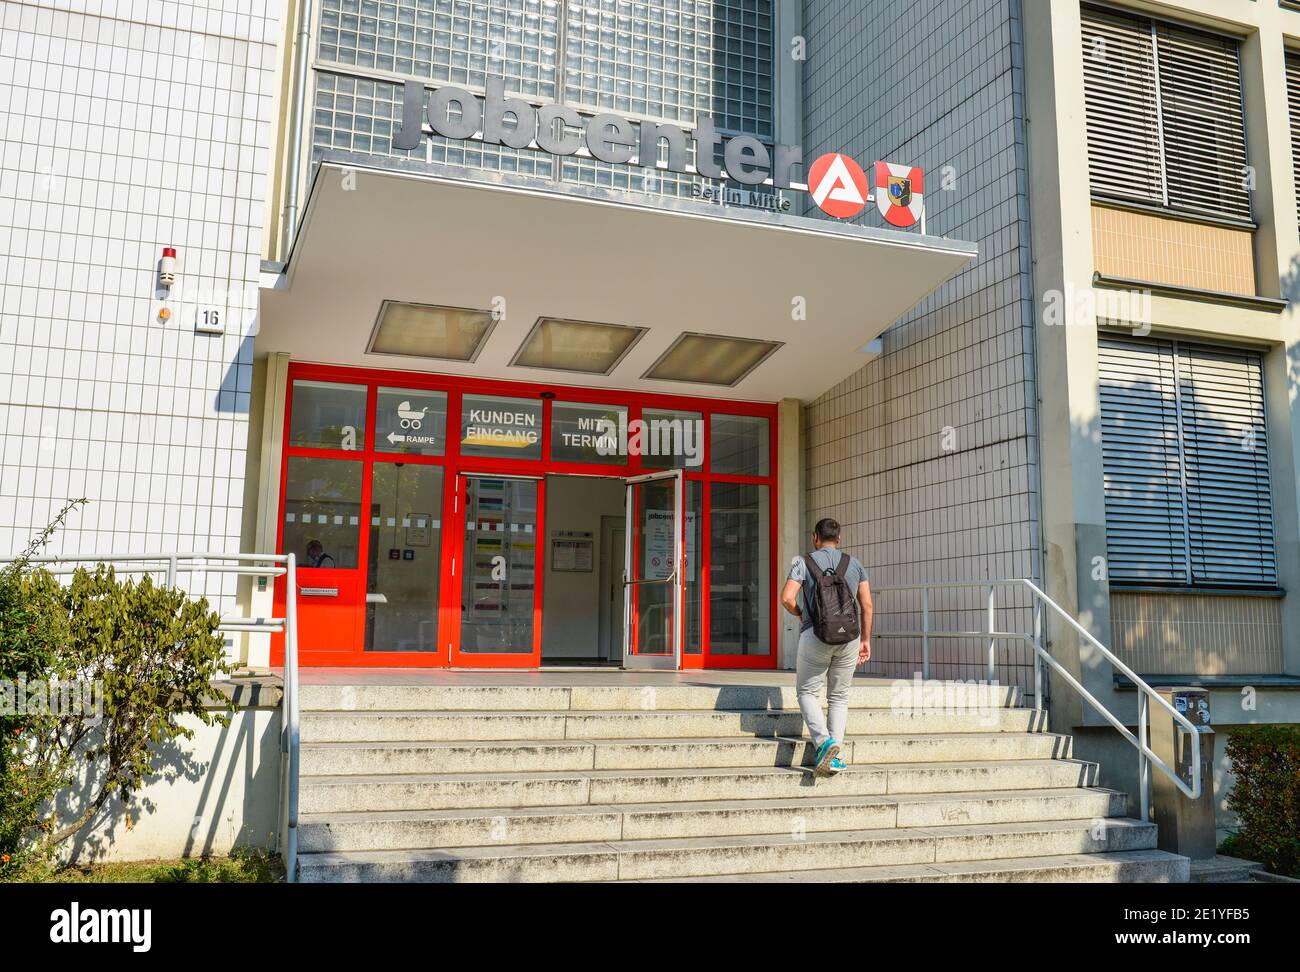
pixel 834 606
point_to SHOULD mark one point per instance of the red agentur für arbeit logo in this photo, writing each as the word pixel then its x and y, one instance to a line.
pixel 841 189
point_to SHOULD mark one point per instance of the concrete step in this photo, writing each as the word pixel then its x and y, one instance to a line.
pixel 372 758
pixel 875 694
pixel 502 725
pixel 341 794
pixel 1116 867
pixel 1222 869
pixel 396 830
pixel 707 856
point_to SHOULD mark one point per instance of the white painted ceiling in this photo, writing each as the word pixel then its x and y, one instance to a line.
pixel 612 259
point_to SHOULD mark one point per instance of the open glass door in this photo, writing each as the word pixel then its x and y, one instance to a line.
pixel 652 575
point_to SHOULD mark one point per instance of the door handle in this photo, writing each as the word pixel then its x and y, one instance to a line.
pixel 654 580
pixel 318 591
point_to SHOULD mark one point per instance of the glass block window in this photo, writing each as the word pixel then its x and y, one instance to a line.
pixel 447 41
pixel 669 60
pixel 357 115
pixel 494 158
pixel 673 60
pixel 360 115
pixel 632 178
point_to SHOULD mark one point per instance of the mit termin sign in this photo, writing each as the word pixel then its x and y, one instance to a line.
pixel 495 119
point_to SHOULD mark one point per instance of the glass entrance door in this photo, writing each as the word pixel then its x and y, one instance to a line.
pixel 404 561
pixel 653 572
pixel 496 571
pixel 322 524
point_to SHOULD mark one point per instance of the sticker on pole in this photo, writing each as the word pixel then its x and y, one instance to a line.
pixel 838 185
pixel 900 193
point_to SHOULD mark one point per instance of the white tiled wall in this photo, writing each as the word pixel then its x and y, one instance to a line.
pixel 927 455
pixel 130 125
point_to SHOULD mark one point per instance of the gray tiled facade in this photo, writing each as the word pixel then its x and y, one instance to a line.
pixel 129 127
pixel 927 454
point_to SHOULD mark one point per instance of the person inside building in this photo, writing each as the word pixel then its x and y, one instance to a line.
pixel 828 592
pixel 317 557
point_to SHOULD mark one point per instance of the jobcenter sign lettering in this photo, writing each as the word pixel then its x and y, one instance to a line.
pixel 560 130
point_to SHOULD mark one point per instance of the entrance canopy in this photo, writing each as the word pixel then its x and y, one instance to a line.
pixel 520 264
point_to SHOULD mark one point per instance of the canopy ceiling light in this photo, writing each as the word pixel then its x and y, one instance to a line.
pixel 582 346
pixel 711 359
pixel 430 331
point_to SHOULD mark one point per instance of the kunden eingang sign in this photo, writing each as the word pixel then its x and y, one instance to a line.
pixel 839 188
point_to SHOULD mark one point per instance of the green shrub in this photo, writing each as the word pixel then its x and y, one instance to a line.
pixel 150 654
pixel 1266 796
pixel 32 628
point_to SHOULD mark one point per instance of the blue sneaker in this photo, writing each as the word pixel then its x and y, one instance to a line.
pixel 826 753
pixel 835 766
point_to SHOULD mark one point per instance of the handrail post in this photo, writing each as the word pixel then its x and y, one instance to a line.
pixel 291 714
pixel 1038 654
pixel 925 632
pixel 1144 764
pixel 993 642
pixel 171 572
pixel 1197 782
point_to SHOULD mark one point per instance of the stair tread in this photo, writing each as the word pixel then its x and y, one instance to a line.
pixel 765 803
pixel 930 871
pixel 646 845
pixel 672 772
pixel 647 740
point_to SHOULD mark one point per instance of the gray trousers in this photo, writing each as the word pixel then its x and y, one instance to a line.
pixel 829 667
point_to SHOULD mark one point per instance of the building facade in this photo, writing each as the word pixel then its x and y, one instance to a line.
pixel 526 355
pixel 517 321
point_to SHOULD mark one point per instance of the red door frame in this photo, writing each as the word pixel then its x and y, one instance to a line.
pixel 635 541
pixel 455 467
pixel 451 615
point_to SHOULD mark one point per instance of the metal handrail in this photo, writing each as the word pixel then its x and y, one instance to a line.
pixel 1039 603
pixel 173 563
pixel 290 733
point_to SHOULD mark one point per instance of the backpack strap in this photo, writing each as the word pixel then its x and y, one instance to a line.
pixel 840 569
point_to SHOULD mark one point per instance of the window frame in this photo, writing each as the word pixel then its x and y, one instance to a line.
pixel 1291 66
pixel 1152 27
pixel 1187 512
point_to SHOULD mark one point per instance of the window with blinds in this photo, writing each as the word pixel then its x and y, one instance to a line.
pixel 1166 125
pixel 1293 96
pixel 1185 456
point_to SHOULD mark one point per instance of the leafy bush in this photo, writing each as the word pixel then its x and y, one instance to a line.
pixel 150 654
pixel 1266 797
pixel 30 635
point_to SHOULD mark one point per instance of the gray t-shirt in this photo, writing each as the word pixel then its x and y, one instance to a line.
pixel 826 558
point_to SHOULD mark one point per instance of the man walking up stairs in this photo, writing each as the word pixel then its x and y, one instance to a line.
pixel 826 591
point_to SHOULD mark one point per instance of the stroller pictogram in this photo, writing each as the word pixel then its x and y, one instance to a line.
pixel 410 419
